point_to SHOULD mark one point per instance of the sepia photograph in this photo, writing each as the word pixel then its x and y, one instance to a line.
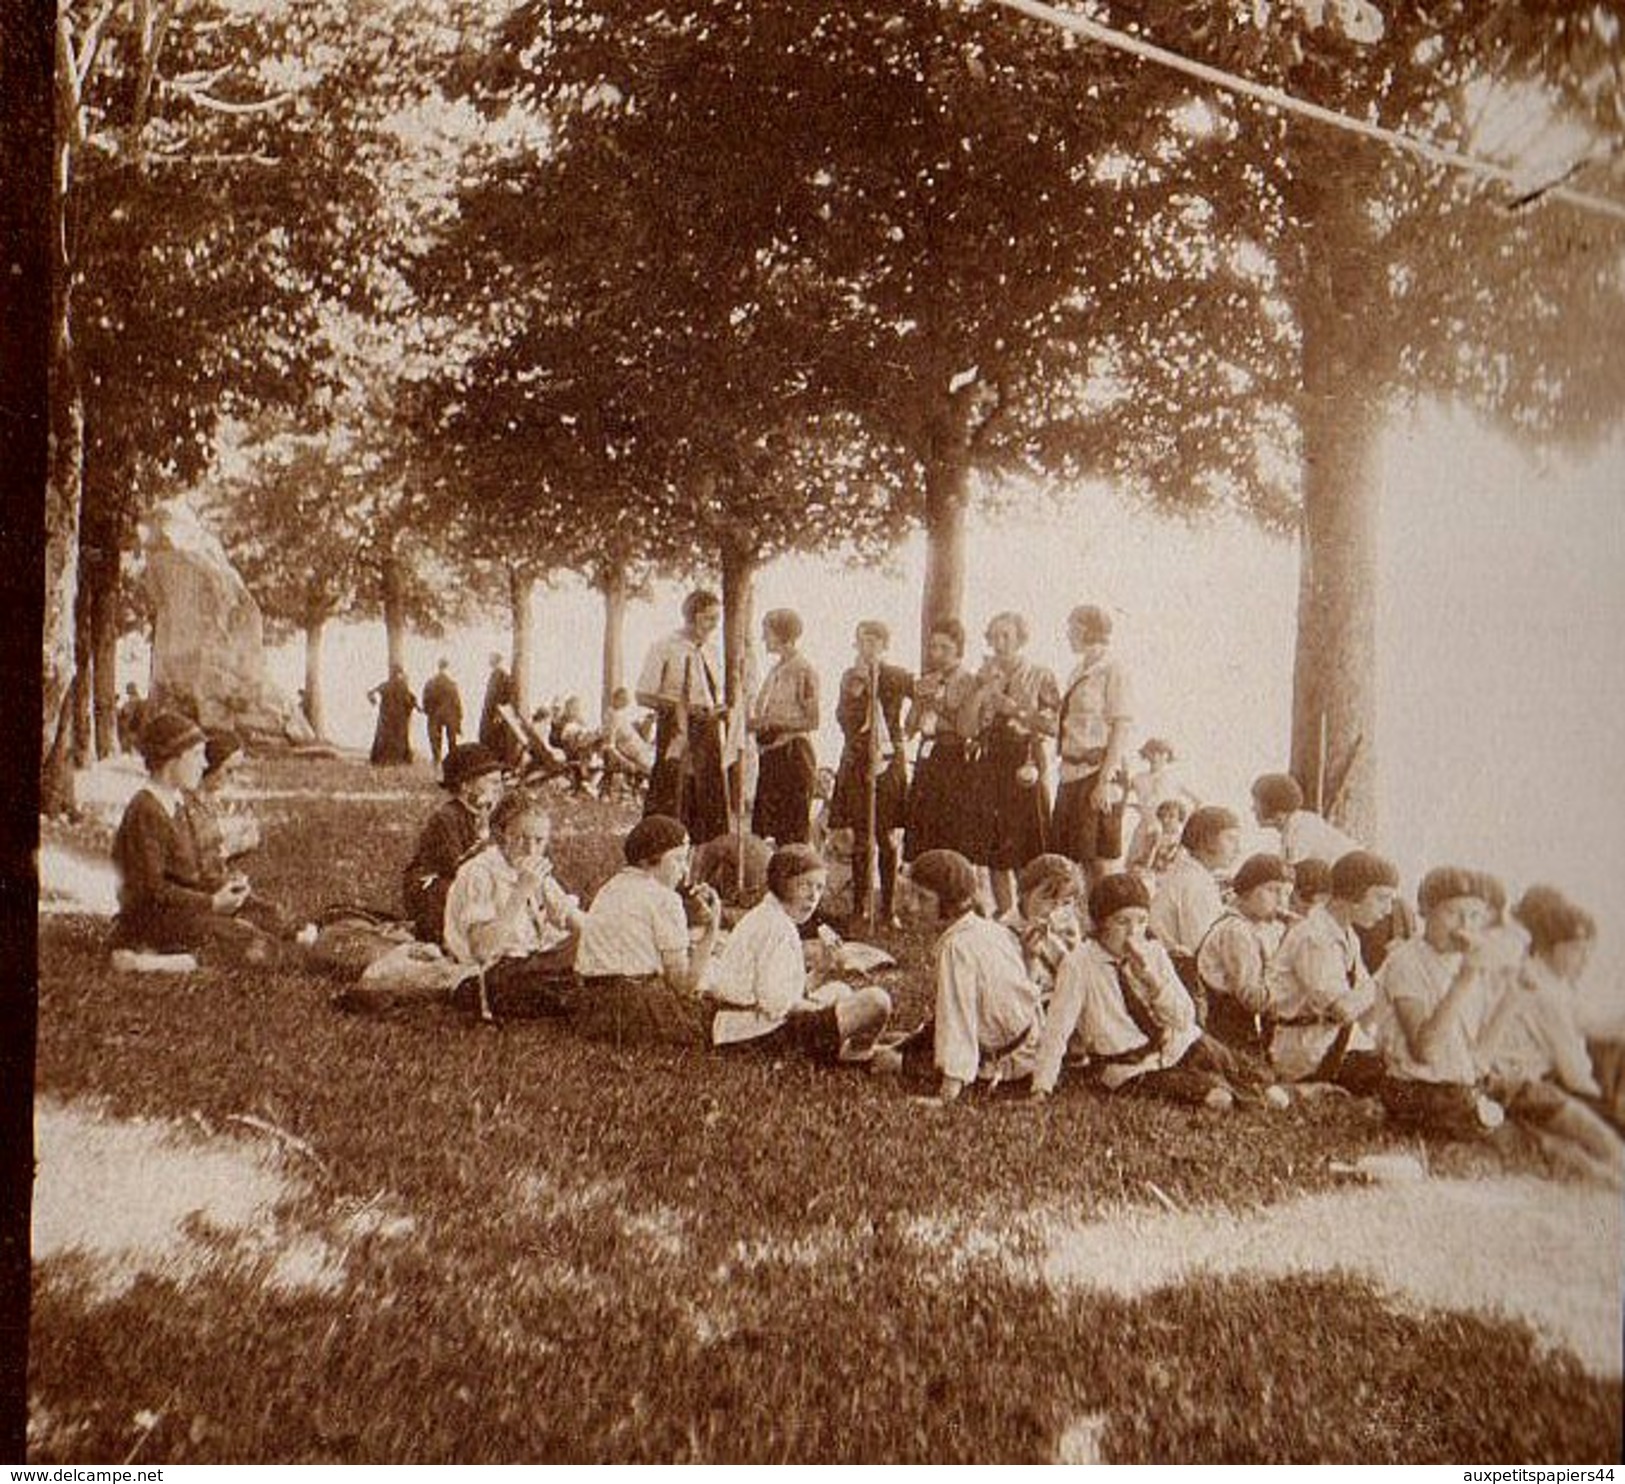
pixel 817 732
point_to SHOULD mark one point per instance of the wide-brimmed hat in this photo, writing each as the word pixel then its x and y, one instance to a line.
pixel 167 735
pixel 466 762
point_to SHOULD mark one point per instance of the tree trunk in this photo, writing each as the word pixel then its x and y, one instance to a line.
pixel 104 650
pixel 63 488
pixel 315 633
pixel 739 568
pixel 1334 681
pixel 84 660
pixel 613 587
pixel 394 594
pixel 947 499
pixel 521 612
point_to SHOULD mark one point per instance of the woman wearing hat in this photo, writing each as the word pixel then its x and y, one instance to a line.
pixel 165 905
pixel 223 833
pixel 472 775
pixel 392 738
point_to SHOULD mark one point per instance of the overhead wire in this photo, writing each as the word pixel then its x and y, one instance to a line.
pixel 1273 97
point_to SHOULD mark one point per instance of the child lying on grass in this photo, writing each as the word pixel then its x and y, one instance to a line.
pixel 761 978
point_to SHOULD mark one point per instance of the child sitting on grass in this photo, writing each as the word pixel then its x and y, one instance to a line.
pixel 507 912
pixel 472 775
pixel 1319 990
pixel 638 971
pixel 1234 954
pixel 1188 899
pixel 165 906
pixel 761 978
pixel 986 1016
pixel 1434 994
pixel 1047 922
pixel 1156 844
pixel 223 833
pixel 1534 1058
pixel 1120 1010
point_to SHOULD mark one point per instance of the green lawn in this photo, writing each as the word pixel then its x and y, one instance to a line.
pixel 641 1254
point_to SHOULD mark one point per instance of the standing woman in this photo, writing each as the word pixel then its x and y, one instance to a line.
pixel 392 738
pixel 870 715
pixel 1094 722
pixel 679 684
pixel 1017 706
pixel 784 718
pixel 942 812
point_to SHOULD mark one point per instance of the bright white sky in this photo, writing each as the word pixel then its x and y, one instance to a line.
pixel 1502 689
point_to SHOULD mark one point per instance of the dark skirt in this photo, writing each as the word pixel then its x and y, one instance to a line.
pixel 849 804
pixel 1017 813
pixel 1081 832
pixel 690 788
pixel 784 789
pixel 944 803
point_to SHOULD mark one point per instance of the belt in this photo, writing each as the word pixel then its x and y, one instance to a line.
pixel 1090 757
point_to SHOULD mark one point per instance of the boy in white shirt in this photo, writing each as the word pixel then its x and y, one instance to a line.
pixel 760 980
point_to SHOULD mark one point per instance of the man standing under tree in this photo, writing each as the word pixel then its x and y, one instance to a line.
pixel 442 711
pixel 679 684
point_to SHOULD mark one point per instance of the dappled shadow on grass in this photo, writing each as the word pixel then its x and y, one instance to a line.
pixel 649 1253
pixel 473 1348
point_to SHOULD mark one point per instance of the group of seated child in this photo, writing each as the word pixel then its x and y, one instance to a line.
pixel 1223 984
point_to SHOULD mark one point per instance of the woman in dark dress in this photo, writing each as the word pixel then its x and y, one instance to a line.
pixel 392 739
pixel 1018 707
pixel 942 799
pixel 784 718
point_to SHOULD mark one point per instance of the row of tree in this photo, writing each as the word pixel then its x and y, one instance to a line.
pixel 619 286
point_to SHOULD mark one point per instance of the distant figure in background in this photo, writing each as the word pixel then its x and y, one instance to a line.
pixel 1155 850
pixel 679 684
pixel 132 713
pixel 442 711
pixel 784 717
pixel 495 734
pixel 1149 789
pixel 392 737
pixel 628 753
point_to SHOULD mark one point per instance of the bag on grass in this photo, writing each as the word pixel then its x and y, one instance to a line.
pixel 409 977
pixel 348 939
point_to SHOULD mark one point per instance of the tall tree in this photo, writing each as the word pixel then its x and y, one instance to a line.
pixel 1384 280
